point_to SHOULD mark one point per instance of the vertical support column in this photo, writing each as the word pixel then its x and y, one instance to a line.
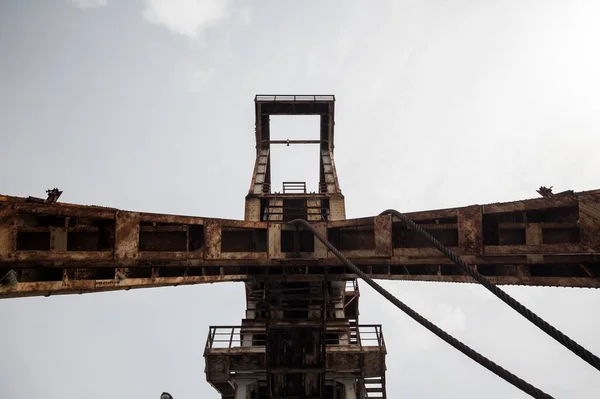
pixel 325 291
pixel 337 207
pixel 383 235
pixel 8 232
pixel 212 240
pixel 58 239
pixel 259 177
pixel 340 313
pixel 589 221
pixel 246 335
pixel 241 387
pixel 274 240
pixel 326 161
pixel 320 248
pixel 533 234
pixel 252 210
pixel 470 230
pixel 349 387
pixel 127 237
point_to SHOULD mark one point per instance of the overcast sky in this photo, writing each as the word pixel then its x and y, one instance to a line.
pixel 148 106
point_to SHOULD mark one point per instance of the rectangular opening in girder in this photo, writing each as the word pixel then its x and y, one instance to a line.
pixel 33 241
pixel 60 233
pixel 444 230
pixel 235 239
pixel 297 241
pixel 170 237
pixel 84 234
pixel 294 208
pixel 352 238
pixel 561 235
pixel 558 226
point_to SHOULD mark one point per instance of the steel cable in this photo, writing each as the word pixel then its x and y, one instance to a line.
pixel 477 357
pixel 564 340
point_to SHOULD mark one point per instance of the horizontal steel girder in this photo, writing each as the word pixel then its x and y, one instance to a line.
pixel 58 248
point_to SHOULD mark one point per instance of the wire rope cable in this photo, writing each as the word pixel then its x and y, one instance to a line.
pixel 543 325
pixel 466 350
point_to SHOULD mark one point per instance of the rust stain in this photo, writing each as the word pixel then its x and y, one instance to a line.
pixel 175 219
pixel 70 256
pixel 383 235
pixel 531 204
pixel 589 220
pixel 535 249
pixel 169 255
pixel 434 214
pixel 62 209
pixel 124 256
pixel 7 232
pixel 127 233
pixel 86 286
pixel 212 239
pixel 470 236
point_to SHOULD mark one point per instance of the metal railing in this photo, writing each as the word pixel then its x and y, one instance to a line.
pixel 371 335
pixel 266 188
pixel 351 286
pixel 270 97
pixel 230 337
pixel 294 187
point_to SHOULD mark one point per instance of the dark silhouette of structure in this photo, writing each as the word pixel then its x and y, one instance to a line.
pixel 301 336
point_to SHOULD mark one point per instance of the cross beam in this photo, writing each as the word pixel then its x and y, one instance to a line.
pixel 58 248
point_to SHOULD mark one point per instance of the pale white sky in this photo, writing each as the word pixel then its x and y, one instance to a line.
pixel 148 105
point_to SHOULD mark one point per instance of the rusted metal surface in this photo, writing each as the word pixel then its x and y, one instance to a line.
pixel 296 336
pixel 324 202
pixel 470 230
pixel 589 219
pixel 127 234
pixel 297 293
pixel 47 288
pixel 229 340
pixel 383 235
pixel 212 242
pixel 533 204
pixel 8 230
pixel 572 258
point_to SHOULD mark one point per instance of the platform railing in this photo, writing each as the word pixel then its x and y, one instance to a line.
pixel 351 286
pixel 294 187
pixel 371 335
pixel 270 97
pixel 231 337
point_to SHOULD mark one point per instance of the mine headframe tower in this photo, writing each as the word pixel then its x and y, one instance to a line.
pixel 301 336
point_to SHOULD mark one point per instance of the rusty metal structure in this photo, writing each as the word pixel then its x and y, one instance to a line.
pixel 301 337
